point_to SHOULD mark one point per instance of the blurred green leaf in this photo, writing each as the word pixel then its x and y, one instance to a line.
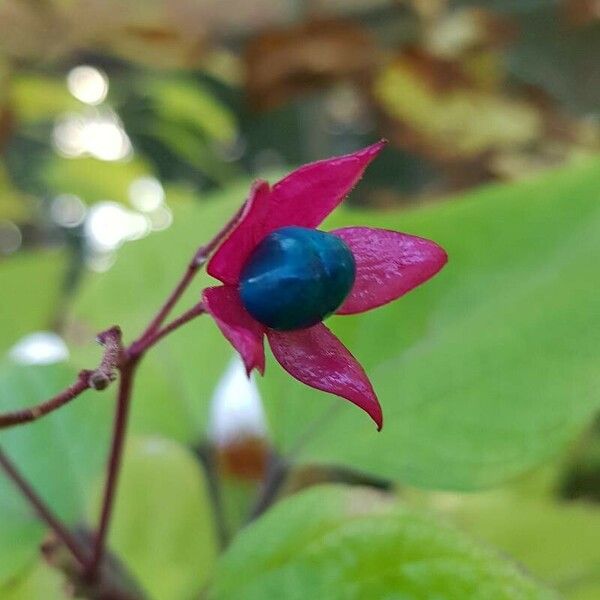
pixel 558 542
pixel 162 527
pixel 14 205
pixel 334 542
pixel 31 284
pixel 92 179
pixel 185 118
pixel 192 105
pixel 59 455
pixel 487 370
pixel 194 149
pixel 40 97
pixel 40 582
pixel 580 476
pixel 19 539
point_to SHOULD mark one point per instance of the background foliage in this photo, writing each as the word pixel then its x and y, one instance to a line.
pixel 488 468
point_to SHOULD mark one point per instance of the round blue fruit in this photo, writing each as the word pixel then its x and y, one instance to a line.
pixel 296 277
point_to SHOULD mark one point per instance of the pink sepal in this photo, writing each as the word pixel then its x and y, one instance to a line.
pixel 318 359
pixel 304 198
pixel 245 334
pixel 227 262
pixel 388 265
pixel 309 194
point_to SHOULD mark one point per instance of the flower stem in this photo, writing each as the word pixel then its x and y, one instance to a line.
pixel 114 466
pixel 97 379
pixel 193 267
pixel 277 472
pixel 187 316
pixel 124 360
pixel 164 311
pixel 44 512
pixel 26 415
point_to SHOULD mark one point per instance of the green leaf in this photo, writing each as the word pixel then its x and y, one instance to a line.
pixel 40 582
pixel 63 452
pixel 193 105
pixel 162 527
pixel 14 205
pixel 485 371
pixel 41 97
pixel 334 542
pixel 192 123
pixel 177 380
pixel 194 149
pixel 557 542
pixel 19 539
pixel 92 179
pixel 60 455
pixel 31 284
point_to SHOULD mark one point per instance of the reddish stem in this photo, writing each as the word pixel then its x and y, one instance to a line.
pixel 112 341
pixel 133 354
pixel 43 511
pixel 114 466
pixel 26 415
pixel 187 316
pixel 98 379
pixel 196 263
pixel 125 361
pixel 162 314
pixel 151 335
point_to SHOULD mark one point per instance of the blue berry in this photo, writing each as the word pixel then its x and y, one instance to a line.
pixel 296 277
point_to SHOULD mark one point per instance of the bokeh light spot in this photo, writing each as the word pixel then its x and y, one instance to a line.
pixel 39 348
pixel 88 84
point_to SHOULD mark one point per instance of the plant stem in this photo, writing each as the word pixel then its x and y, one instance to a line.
pixel 164 311
pixel 114 466
pixel 187 316
pixel 112 341
pixel 276 475
pixel 199 259
pixel 43 511
pixel 98 379
pixel 151 335
pixel 279 466
pixel 206 455
pixel 26 415
pixel 115 358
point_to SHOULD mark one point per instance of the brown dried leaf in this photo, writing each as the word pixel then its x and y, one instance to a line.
pixel 443 111
pixel 32 30
pixel 466 30
pixel 582 12
pixel 427 9
pixel 160 33
pixel 285 62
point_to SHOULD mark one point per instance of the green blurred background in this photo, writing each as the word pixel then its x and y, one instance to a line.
pixel 130 130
